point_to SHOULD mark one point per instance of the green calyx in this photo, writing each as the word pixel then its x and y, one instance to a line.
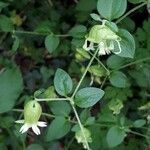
pixel 99 33
pixel 80 137
pixel 32 112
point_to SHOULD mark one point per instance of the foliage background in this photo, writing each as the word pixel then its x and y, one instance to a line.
pixel 28 64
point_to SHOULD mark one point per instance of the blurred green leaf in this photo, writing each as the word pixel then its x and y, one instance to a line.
pixel 115 136
pixel 58 128
pixel 119 79
pixel 51 43
pixel 11 86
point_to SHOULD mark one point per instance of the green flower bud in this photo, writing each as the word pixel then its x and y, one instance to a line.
pixel 99 33
pixel 32 112
pixel 81 139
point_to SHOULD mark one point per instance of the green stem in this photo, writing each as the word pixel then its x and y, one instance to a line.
pixel 137 133
pixel 50 99
pixel 131 11
pixel 69 143
pixel 84 74
pixel 35 33
pixel 108 72
pixel 81 126
pixel 132 63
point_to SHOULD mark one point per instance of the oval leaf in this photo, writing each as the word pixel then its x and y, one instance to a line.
pixel 139 123
pixel 62 82
pixel 88 97
pixel 57 129
pixel 11 86
pixel 111 9
pixel 119 79
pixel 115 136
pixel 51 43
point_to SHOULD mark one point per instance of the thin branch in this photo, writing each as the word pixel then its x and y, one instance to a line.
pixel 35 33
pixel 84 74
pixel 50 99
pixel 132 63
pixel 131 11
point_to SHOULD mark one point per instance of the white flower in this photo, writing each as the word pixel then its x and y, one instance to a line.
pixel 103 38
pixel 32 113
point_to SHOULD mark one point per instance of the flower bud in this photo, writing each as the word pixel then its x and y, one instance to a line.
pixel 32 112
pixel 80 137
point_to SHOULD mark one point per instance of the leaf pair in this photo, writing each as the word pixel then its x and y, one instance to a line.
pixel 84 98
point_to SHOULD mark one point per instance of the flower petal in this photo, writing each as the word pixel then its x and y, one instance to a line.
pixel 42 124
pixel 36 129
pixel 101 47
pixel 19 121
pixel 91 46
pixel 85 46
pixel 24 128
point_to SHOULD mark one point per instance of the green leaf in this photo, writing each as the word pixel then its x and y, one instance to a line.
pixel 88 97
pixel 51 43
pixel 127 44
pixel 96 17
pixel 115 136
pixel 15 44
pixel 62 82
pixel 58 128
pixel 11 86
pixel 3 5
pixel 119 79
pixel 35 146
pixel 61 108
pixel 111 9
pixel 139 123
pixel 6 24
pixel 78 31
pixel 86 5
pixel 115 61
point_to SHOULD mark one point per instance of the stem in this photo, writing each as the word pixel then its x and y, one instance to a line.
pixel 50 99
pixel 131 11
pixel 35 33
pixel 84 74
pixel 69 144
pixel 81 126
pixel 101 63
pixel 103 82
pixel 139 134
pixel 132 63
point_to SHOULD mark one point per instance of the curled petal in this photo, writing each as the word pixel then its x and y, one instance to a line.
pixel 85 46
pixel 24 128
pixel 41 124
pixel 36 129
pixel 19 121
pixel 119 46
